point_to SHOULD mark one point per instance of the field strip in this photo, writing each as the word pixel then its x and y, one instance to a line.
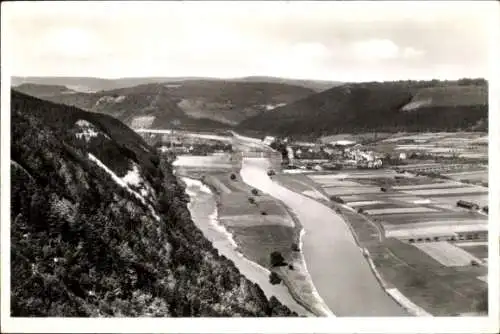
pixel 353 198
pixel 314 194
pixel 434 230
pixel 471 243
pixel 447 191
pixel 253 220
pixel 350 190
pixel 328 176
pixel 445 223
pixel 447 254
pixel 478 172
pixel 389 211
pixel 362 203
pixel 219 185
pixel 429 186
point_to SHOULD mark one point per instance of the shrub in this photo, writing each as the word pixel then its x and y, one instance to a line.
pixel 251 200
pixel 418 282
pixel 337 199
pixel 290 266
pixel 474 263
pixel 255 192
pixel 264 213
pixel 274 278
pixel 233 176
pixel 361 211
pixel 277 259
pixel 295 247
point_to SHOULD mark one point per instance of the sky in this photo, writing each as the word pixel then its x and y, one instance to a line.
pixel 338 41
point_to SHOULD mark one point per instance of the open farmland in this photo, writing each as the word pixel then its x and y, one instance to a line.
pixel 447 254
pixel 435 273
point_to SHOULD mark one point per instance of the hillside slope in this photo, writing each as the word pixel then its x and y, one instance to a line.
pixel 100 226
pixel 225 101
pixel 388 106
pixel 141 106
pixel 43 90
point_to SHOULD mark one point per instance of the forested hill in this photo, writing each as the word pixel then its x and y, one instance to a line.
pixel 381 106
pixel 100 226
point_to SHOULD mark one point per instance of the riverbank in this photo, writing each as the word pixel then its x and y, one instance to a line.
pixel 203 208
pixel 295 278
pixel 337 266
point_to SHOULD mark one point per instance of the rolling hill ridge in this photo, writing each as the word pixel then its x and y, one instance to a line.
pixel 387 106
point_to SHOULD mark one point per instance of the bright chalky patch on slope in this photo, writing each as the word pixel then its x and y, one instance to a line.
pixel 87 130
pixel 124 185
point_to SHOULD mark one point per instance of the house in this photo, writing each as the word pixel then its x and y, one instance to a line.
pixel 268 140
pixel 344 143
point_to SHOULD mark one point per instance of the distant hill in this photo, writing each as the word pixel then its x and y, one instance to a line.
pixel 141 106
pixel 316 85
pixel 199 102
pixel 387 106
pixel 100 226
pixel 96 84
pixel 44 90
pixel 230 101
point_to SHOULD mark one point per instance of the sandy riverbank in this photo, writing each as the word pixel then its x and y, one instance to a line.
pixel 203 208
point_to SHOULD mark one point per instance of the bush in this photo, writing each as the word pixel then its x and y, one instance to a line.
pixel 474 263
pixel 277 259
pixel 418 282
pixel 255 192
pixel 264 213
pixel 295 247
pixel 337 199
pixel 274 278
pixel 251 200
pixel 233 176
pixel 290 266
pixel 361 211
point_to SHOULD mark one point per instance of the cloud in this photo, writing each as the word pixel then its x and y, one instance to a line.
pixel 335 40
pixel 375 49
pixel 383 49
pixel 410 52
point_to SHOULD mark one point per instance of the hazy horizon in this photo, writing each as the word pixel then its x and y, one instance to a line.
pixel 328 41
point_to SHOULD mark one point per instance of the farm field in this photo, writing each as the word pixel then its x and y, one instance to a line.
pixel 447 254
pixel 474 176
pixel 470 145
pixel 436 275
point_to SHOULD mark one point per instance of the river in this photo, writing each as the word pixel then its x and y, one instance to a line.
pixel 337 266
pixel 203 210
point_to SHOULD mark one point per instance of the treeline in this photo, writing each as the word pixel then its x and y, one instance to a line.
pixel 368 107
pixel 83 246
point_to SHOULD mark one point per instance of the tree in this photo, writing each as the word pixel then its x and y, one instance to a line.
pixel 277 259
pixel 274 278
